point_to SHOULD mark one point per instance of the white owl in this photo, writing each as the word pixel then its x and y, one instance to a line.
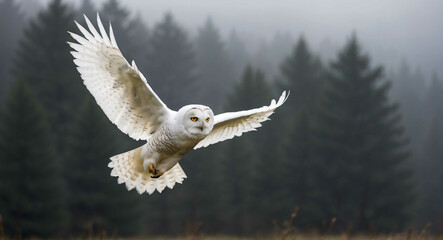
pixel 129 102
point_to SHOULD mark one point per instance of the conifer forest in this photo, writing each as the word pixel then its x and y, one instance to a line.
pixel 356 149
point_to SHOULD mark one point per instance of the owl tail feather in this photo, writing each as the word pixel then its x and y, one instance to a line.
pixel 128 167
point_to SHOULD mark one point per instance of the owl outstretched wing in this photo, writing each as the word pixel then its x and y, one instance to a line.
pixel 231 124
pixel 120 89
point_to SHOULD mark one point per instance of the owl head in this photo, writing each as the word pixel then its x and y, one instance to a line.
pixel 197 120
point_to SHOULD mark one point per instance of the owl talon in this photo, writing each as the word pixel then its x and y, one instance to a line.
pixel 157 175
pixel 152 169
pixel 154 172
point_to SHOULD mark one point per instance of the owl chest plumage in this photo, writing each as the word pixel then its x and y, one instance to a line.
pixel 164 149
pixel 163 142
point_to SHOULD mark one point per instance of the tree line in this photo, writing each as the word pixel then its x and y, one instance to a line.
pixel 354 144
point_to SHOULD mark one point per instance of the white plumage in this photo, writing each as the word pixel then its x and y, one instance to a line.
pixel 128 168
pixel 126 98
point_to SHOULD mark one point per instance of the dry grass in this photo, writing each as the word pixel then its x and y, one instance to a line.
pixel 285 232
pixel 400 236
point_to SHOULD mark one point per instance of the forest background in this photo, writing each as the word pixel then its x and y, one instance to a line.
pixel 357 143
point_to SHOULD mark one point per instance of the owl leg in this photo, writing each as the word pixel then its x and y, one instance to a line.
pixel 152 169
pixel 154 172
pixel 148 165
pixel 159 174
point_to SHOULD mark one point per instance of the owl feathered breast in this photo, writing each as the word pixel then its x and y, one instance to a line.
pixel 163 141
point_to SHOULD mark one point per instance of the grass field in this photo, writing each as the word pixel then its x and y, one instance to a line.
pixel 401 236
pixel 288 233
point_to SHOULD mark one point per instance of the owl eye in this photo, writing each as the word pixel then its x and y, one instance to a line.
pixel 207 119
pixel 194 119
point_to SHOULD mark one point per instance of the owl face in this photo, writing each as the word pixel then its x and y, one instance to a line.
pixel 198 120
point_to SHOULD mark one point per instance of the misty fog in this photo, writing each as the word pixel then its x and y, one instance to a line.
pixel 390 30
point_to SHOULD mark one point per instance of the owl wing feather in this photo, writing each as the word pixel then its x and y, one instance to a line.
pixel 120 89
pixel 231 124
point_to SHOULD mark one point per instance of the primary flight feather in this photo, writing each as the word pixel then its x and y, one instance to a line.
pixel 126 98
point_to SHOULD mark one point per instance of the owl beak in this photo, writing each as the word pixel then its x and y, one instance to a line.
pixel 201 127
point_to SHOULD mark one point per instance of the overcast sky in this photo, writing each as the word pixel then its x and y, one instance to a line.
pixel 389 29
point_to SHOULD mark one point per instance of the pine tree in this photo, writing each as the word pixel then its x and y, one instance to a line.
pixel 171 64
pixel 409 90
pixel 360 176
pixel 301 73
pixel 432 178
pixel 9 13
pixel 430 166
pixel 297 170
pixel 31 190
pixel 44 62
pixel 252 91
pixel 246 173
pixel 95 198
pixel 215 73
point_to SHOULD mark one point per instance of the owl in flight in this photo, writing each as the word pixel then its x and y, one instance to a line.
pixel 126 98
